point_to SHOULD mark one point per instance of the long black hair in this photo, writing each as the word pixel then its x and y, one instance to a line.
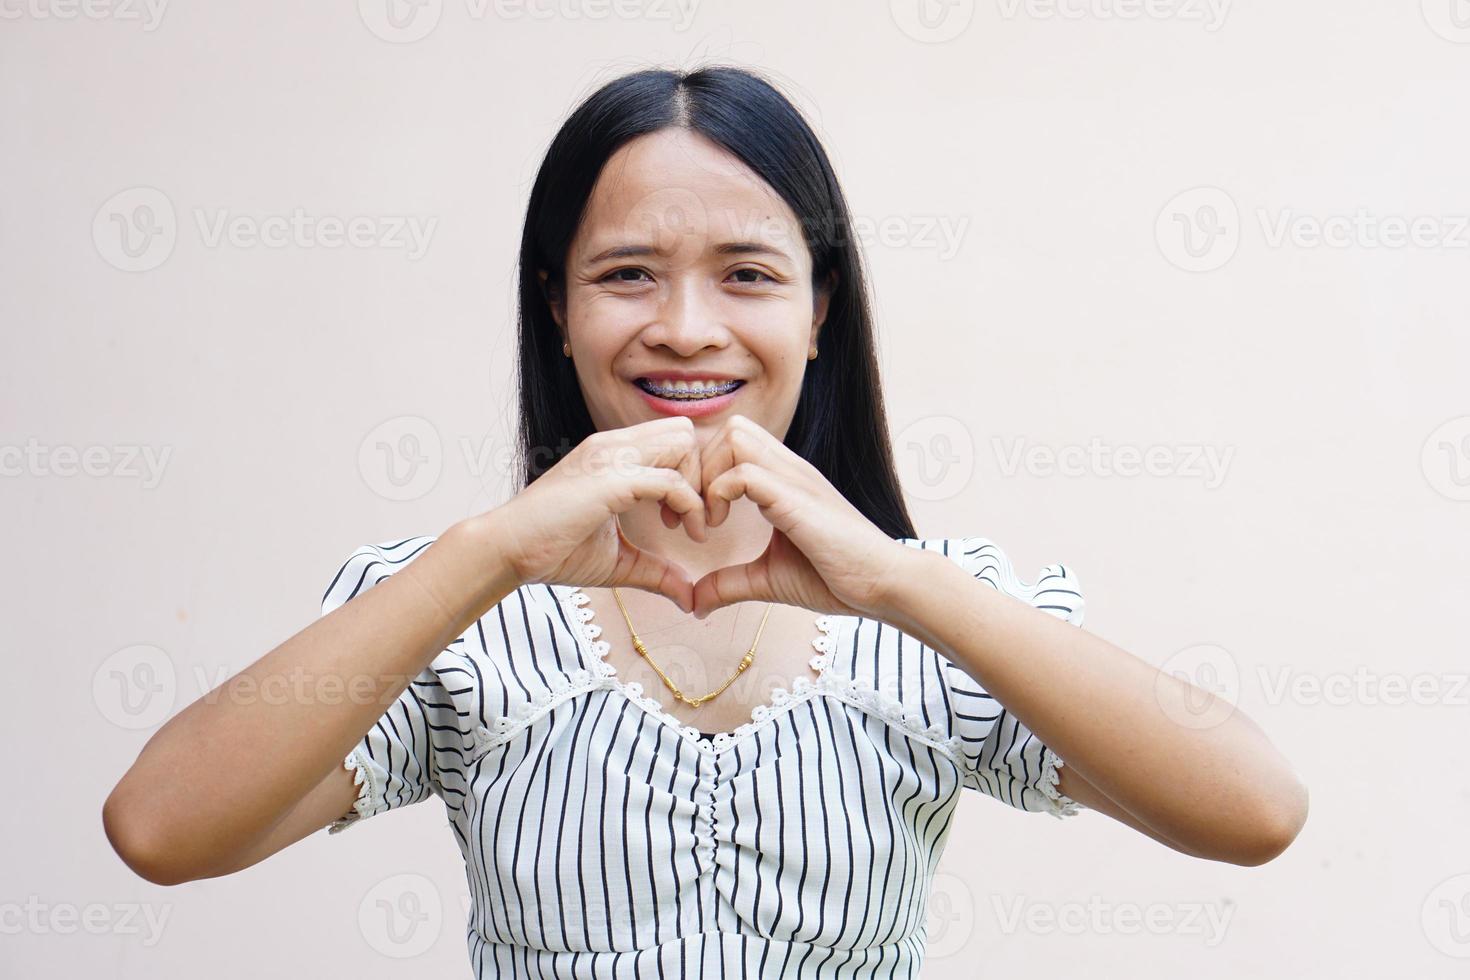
pixel 839 425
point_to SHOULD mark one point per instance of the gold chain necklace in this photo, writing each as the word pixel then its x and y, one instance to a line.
pixel 679 695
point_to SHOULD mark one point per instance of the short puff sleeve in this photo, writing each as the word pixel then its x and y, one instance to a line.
pixel 402 758
pixel 1002 757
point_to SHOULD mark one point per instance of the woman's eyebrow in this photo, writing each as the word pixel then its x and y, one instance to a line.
pixel 724 248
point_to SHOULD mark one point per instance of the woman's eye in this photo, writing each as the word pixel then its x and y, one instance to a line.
pixel 755 272
pixel 617 275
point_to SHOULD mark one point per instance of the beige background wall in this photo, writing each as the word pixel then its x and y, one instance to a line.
pixel 1233 234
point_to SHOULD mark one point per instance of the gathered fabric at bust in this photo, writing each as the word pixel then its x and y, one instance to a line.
pixel 604 837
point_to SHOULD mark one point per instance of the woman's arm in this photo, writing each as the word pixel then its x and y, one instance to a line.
pixel 237 775
pixel 1220 792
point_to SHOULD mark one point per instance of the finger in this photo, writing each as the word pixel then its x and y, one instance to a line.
pixel 675 446
pixel 751 480
pixel 715 460
pixel 670 489
pixel 729 585
pixel 651 573
pixel 741 440
pixel 689 465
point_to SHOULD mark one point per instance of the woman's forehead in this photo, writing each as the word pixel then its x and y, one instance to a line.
pixel 675 192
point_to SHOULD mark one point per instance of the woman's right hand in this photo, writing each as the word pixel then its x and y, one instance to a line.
pixel 562 529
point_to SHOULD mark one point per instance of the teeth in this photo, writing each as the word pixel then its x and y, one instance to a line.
pixel 689 389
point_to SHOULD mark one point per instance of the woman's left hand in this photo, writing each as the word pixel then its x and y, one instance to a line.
pixel 824 555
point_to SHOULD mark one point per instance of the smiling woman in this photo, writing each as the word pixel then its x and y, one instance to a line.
pixel 708 493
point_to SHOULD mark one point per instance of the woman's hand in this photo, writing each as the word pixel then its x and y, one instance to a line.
pixel 824 554
pixel 563 527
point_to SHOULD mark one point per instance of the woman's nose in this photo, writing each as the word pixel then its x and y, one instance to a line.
pixel 687 320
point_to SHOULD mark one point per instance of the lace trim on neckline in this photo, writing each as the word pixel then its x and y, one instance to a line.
pixel 781 699
pixel 857 691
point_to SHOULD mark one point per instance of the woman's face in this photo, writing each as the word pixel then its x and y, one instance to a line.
pixel 687 264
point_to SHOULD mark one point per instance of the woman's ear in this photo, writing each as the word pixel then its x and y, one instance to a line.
pixel 555 301
pixel 821 301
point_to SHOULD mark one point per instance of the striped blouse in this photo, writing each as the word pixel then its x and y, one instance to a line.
pixel 602 837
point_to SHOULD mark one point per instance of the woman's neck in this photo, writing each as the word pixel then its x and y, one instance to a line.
pixel 741 538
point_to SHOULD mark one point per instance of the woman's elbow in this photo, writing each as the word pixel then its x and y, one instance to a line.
pixel 138 847
pixel 1280 827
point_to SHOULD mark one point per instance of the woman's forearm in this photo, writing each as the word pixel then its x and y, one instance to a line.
pixel 1221 790
pixel 222 772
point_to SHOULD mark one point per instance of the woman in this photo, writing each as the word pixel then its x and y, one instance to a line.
pixel 614 687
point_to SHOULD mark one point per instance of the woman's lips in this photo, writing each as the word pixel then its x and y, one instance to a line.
pixel 690 407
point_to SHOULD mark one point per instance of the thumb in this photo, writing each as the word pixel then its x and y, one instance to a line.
pixel 660 576
pixel 726 586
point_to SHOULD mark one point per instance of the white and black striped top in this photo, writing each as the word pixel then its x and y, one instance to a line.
pixel 604 838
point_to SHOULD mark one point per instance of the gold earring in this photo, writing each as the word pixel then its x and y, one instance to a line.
pixel 813 355
pixel 566 349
